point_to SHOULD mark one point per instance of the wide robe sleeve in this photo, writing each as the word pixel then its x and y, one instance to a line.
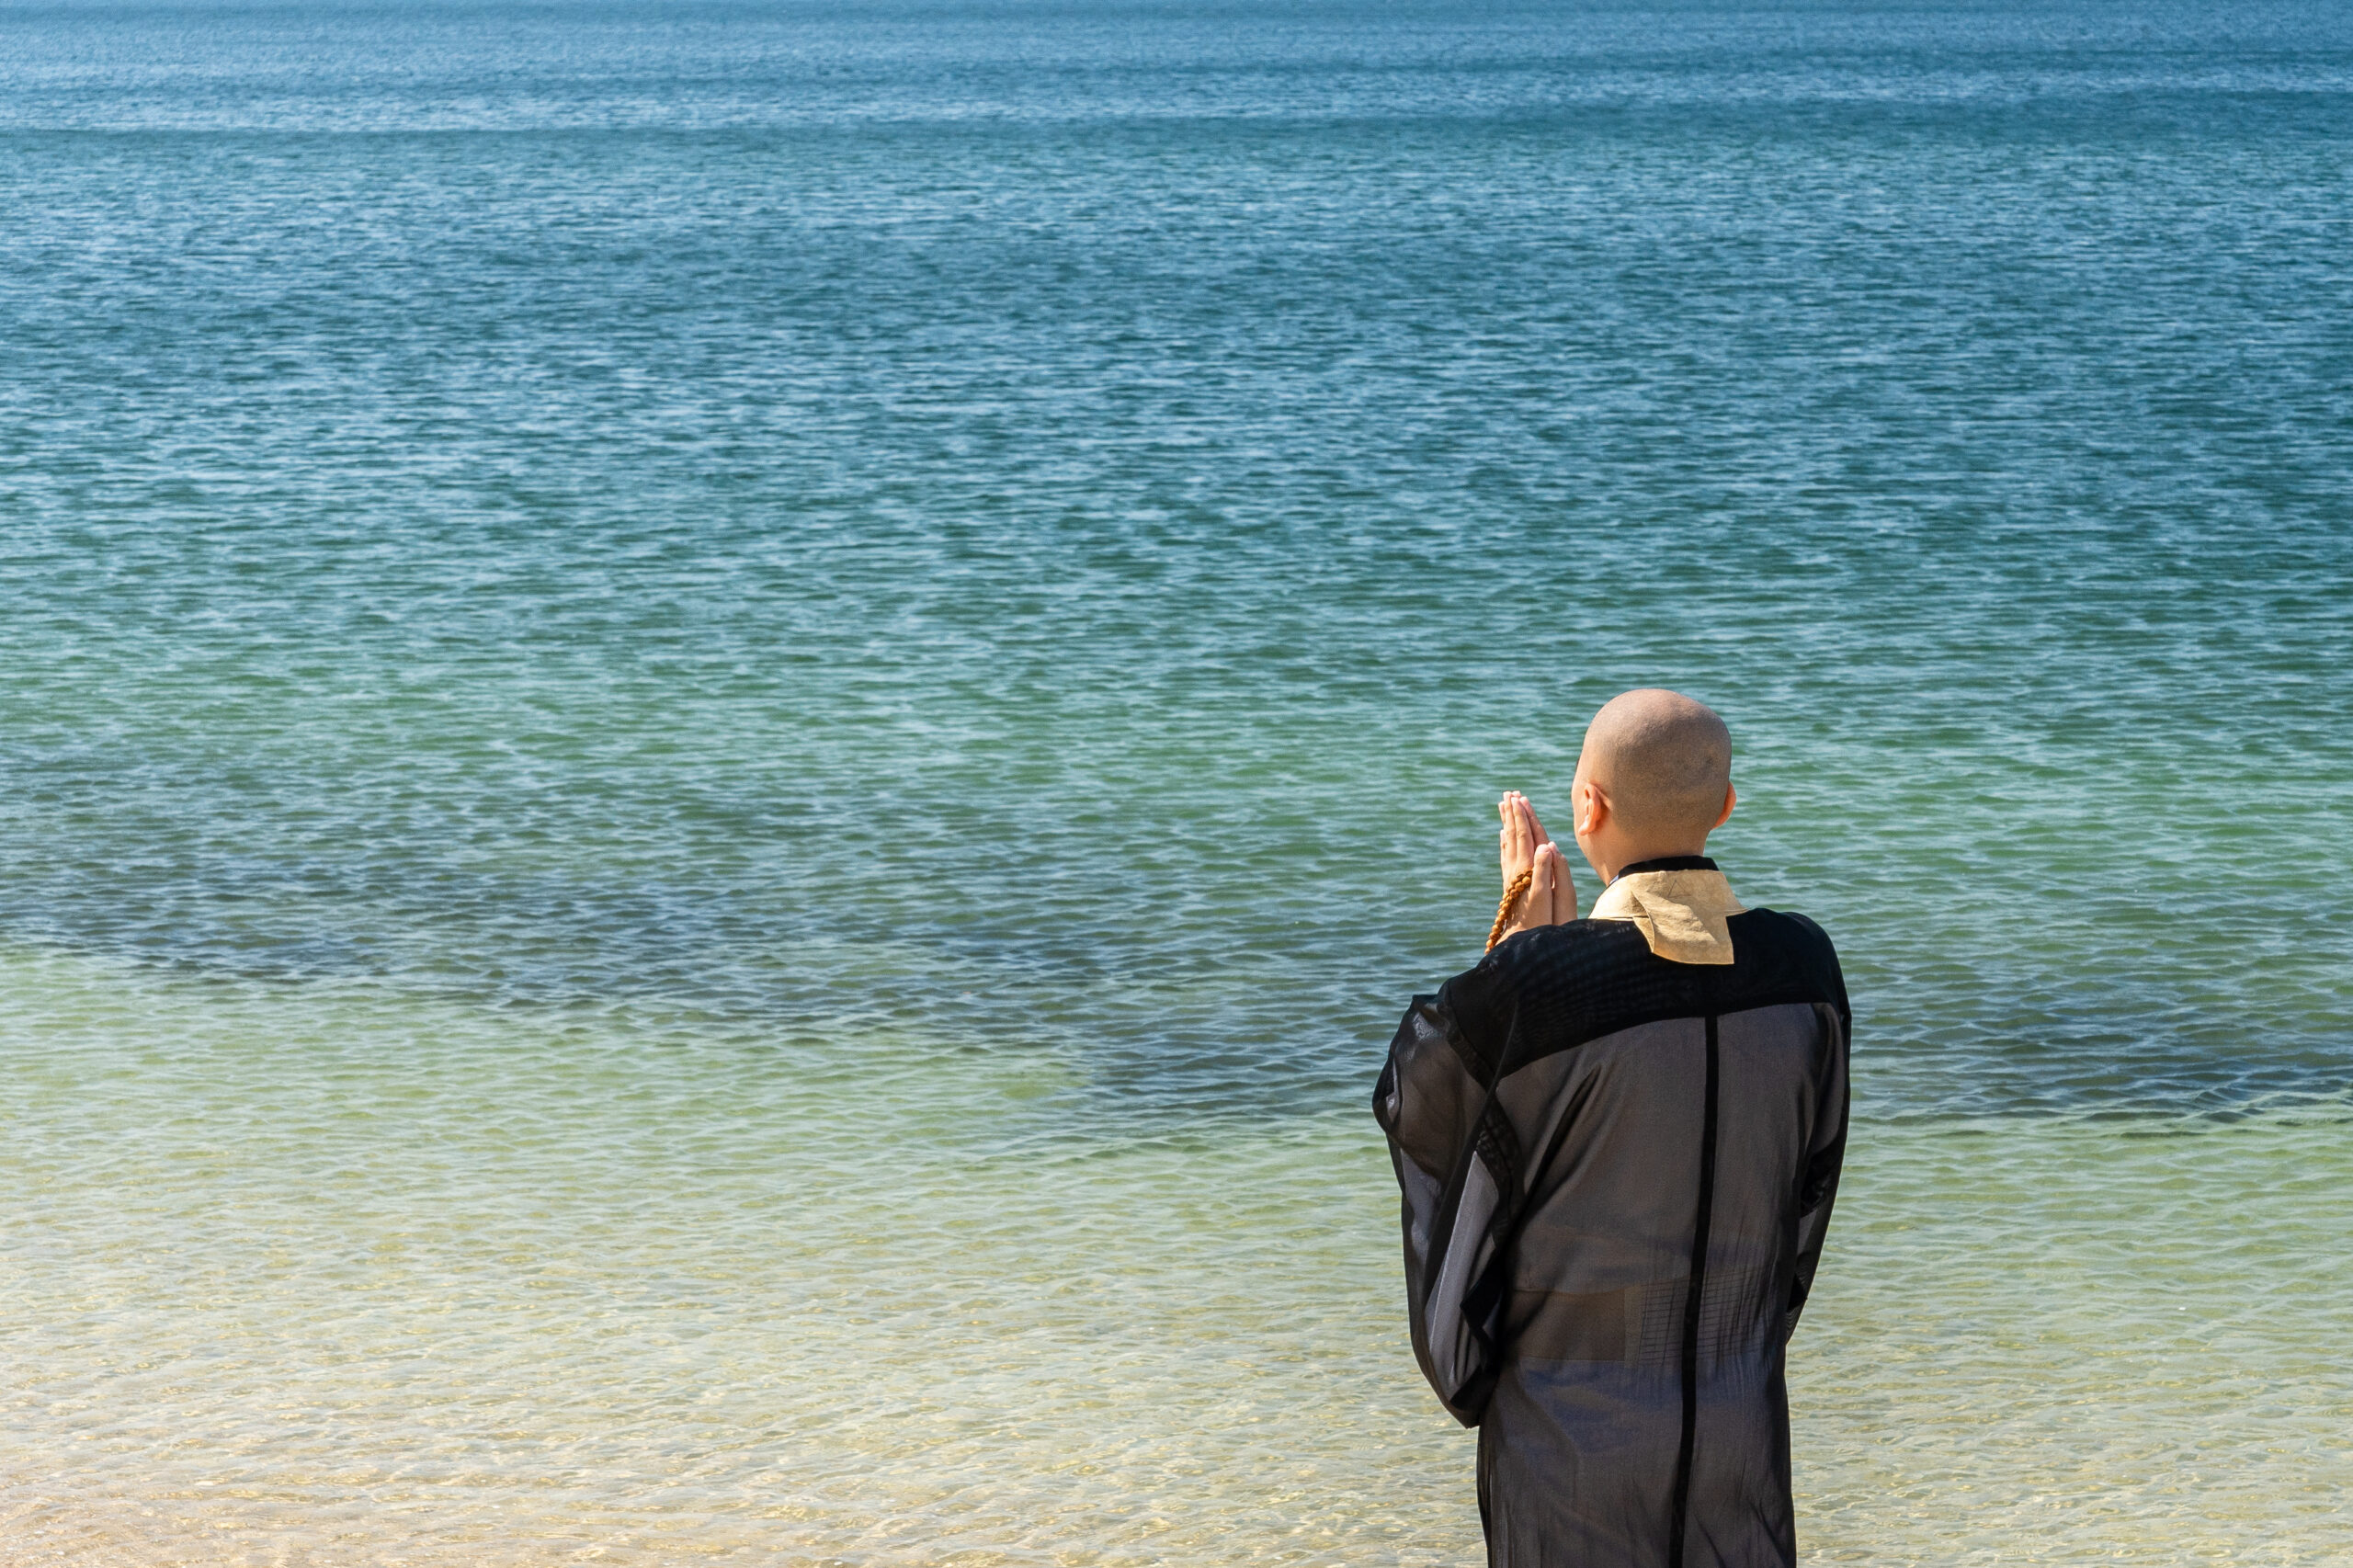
pixel 1826 1150
pixel 1825 1158
pixel 1456 1163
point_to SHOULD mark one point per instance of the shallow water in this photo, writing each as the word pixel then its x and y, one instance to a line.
pixel 728 733
pixel 316 1275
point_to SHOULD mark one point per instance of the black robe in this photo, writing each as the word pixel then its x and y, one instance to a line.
pixel 1617 1172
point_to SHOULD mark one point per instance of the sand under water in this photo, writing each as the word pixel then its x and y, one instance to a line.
pixel 316 1276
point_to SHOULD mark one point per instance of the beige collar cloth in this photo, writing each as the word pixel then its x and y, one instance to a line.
pixel 1680 913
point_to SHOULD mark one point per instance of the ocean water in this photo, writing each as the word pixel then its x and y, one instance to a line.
pixel 727 731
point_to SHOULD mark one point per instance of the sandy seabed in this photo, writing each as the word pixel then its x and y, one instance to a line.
pixel 304 1277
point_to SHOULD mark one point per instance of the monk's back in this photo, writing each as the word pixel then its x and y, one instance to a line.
pixel 1617 1139
pixel 1648 1098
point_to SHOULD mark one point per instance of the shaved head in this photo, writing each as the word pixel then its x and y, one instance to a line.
pixel 1663 760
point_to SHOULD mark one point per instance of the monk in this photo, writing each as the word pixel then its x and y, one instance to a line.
pixel 1617 1139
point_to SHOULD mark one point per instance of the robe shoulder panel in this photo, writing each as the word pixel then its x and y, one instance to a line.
pixel 1556 987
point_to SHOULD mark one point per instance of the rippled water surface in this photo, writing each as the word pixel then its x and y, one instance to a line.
pixel 726 732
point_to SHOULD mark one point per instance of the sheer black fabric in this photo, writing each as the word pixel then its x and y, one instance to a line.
pixel 1617 1172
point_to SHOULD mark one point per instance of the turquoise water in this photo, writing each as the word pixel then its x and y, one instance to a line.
pixel 726 734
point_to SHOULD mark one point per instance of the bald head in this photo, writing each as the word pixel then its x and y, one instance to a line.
pixel 1663 761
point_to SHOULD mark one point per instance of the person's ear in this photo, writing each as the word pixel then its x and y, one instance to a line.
pixel 1732 799
pixel 1592 809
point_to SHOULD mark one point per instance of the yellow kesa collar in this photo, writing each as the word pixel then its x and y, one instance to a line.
pixel 1681 914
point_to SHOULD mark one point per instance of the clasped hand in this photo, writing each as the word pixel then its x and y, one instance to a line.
pixel 1550 898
